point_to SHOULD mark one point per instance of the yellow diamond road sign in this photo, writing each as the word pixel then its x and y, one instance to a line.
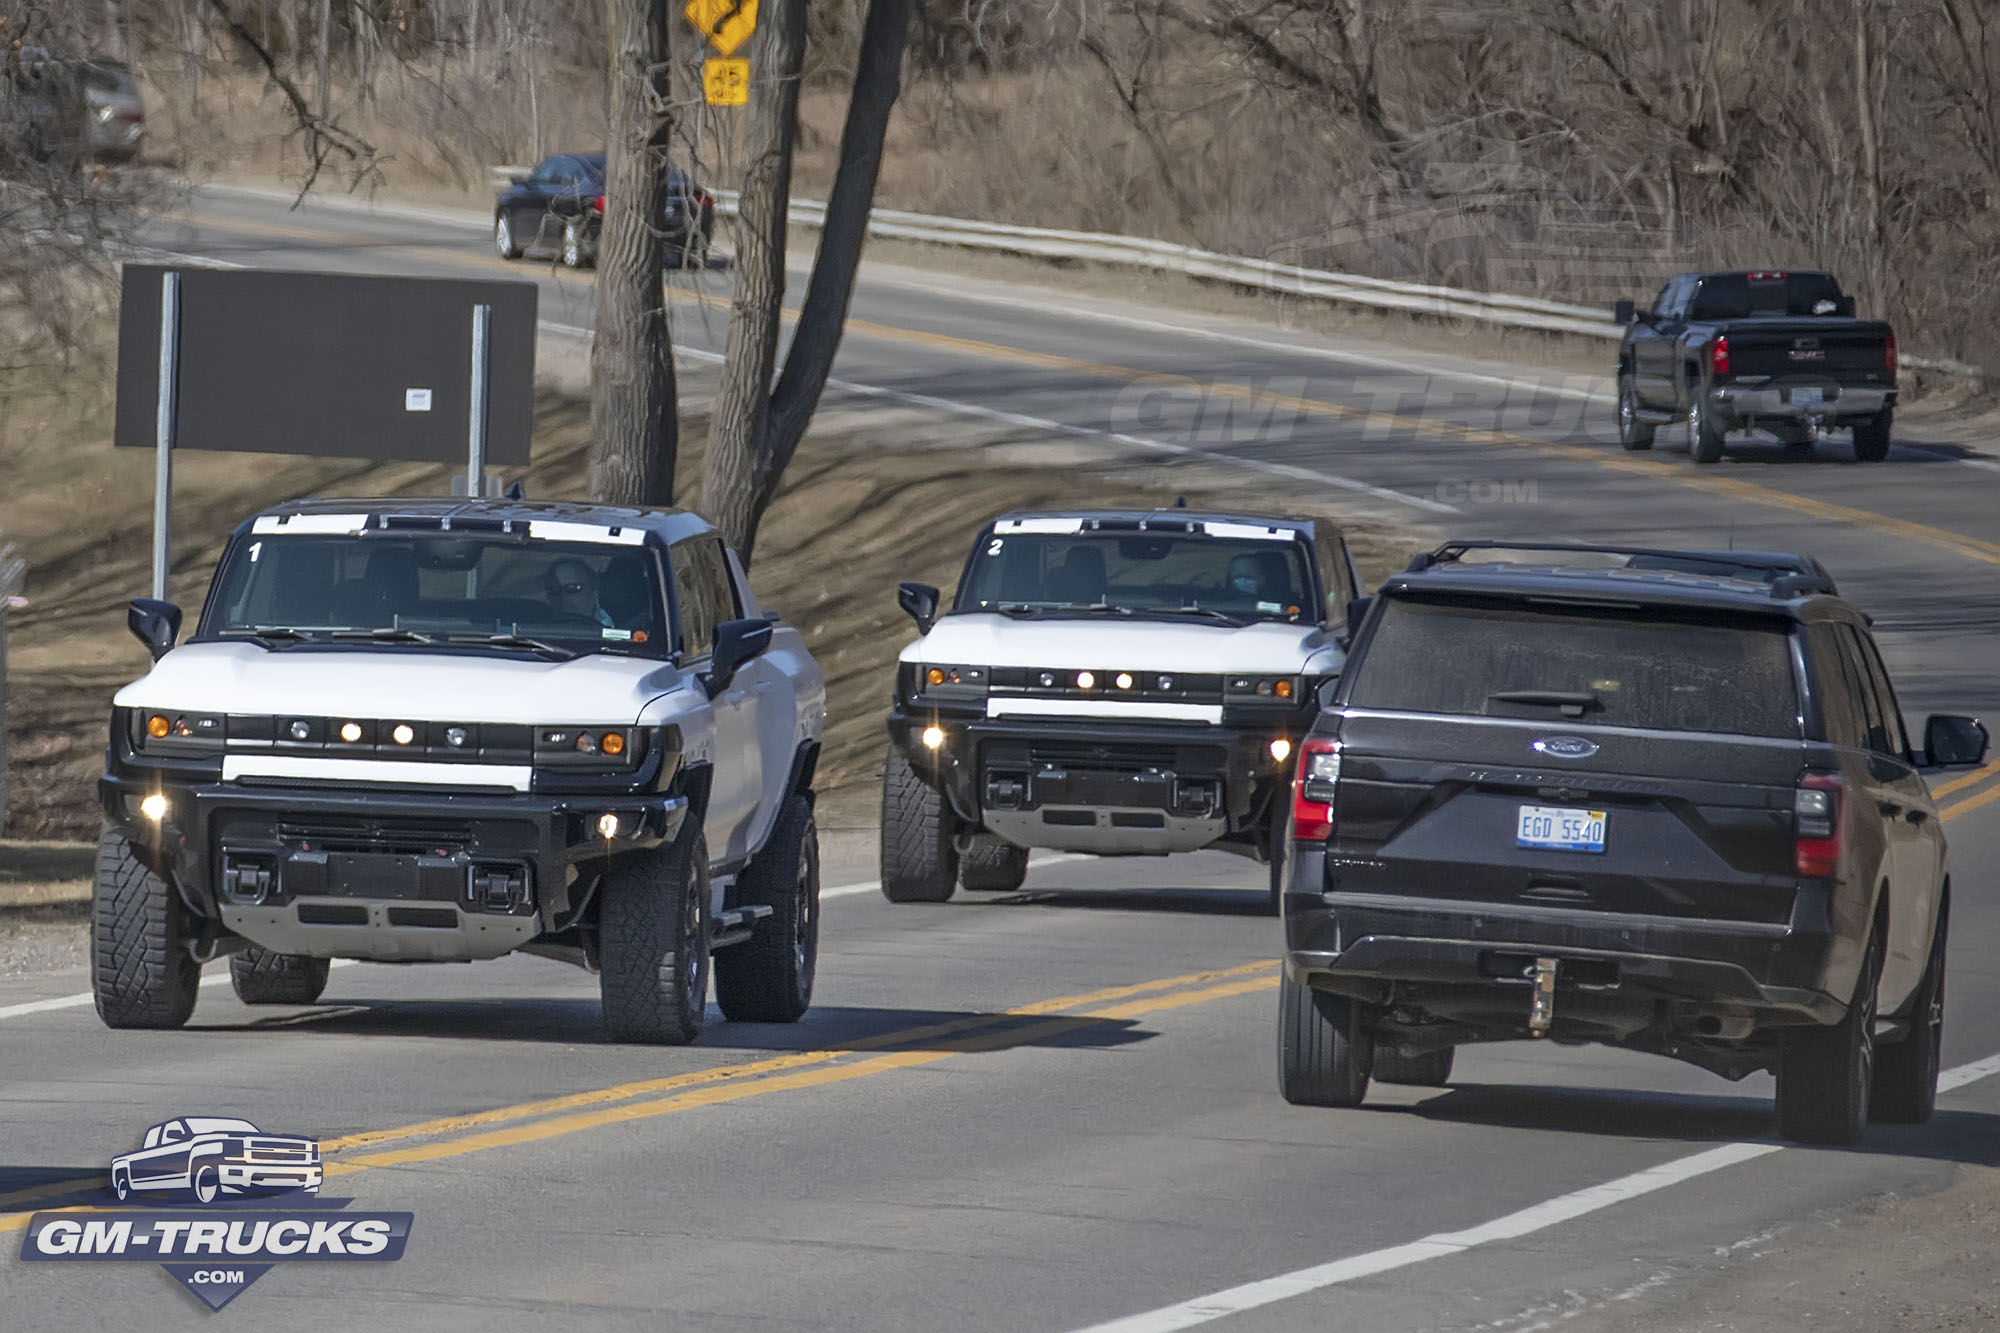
pixel 725 82
pixel 726 23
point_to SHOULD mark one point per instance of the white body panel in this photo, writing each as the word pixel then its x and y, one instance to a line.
pixel 1116 643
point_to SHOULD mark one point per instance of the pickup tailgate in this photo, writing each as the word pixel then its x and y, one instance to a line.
pixel 1846 351
pixel 1599 759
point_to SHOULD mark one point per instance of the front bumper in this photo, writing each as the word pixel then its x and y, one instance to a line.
pixel 388 874
pixel 238 1177
pixel 1105 785
pixel 1848 403
pixel 1465 959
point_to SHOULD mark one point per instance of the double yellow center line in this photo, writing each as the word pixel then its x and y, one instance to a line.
pixel 904 1048
pixel 1961 783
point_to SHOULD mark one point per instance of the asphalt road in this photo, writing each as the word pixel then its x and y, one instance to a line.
pixel 1056 1108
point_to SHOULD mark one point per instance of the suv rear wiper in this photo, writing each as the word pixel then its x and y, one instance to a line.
pixel 521 641
pixel 1572 702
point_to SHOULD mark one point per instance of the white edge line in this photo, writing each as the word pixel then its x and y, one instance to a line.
pixel 1513 1226
pixel 875 885
pixel 76 1001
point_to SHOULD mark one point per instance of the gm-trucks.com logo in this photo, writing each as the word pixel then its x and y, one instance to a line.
pixel 256 1204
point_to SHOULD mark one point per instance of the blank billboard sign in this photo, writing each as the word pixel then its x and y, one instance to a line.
pixel 328 364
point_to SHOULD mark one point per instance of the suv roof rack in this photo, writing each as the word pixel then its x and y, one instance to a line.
pixel 1786 576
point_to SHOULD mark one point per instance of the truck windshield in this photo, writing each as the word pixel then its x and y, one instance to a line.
pixel 1651 669
pixel 579 596
pixel 1140 573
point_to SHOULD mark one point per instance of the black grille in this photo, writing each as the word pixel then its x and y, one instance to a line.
pixel 406 837
pixel 332 914
pixel 1102 756
pixel 434 918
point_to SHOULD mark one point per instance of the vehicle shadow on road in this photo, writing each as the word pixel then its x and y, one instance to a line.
pixel 575 1022
pixel 1206 902
pixel 1970 1138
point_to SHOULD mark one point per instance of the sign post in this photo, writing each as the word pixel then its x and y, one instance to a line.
pixel 163 430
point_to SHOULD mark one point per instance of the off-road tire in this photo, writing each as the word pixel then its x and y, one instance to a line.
pixel 1871 437
pixel 1906 1074
pixel 652 942
pixel 768 978
pixel 1633 433
pixel 140 969
pixel 919 861
pixel 992 866
pixel 1432 1069
pixel 1324 1054
pixel 1825 1074
pixel 1704 432
pixel 504 243
pixel 263 977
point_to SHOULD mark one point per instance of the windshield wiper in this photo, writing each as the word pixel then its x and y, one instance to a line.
pixel 1572 702
pixel 1223 617
pixel 521 641
pixel 269 635
pixel 383 634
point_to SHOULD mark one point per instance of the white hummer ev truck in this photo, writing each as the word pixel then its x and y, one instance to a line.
pixel 426 730
pixel 1109 682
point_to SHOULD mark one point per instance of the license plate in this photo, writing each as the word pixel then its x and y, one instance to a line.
pixel 1560 829
pixel 1809 396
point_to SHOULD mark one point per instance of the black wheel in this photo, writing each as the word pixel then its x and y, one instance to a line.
pixel 121 1184
pixel 652 942
pixel 919 863
pixel 575 247
pixel 1825 1074
pixel 140 969
pixel 1632 432
pixel 1429 1070
pixel 504 243
pixel 768 978
pixel 207 1184
pixel 992 866
pixel 1324 1054
pixel 263 977
pixel 1871 437
pixel 1704 432
pixel 1906 1074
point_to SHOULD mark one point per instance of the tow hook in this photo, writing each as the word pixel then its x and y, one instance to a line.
pixel 1542 1016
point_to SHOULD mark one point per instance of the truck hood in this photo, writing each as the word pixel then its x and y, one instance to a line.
pixel 1112 643
pixel 401 683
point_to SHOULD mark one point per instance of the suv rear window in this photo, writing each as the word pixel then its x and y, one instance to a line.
pixel 1653 669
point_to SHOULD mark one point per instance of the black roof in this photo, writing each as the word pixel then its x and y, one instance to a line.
pixel 1163 517
pixel 1756 582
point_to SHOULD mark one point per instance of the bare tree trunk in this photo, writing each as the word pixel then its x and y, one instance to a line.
pixel 1871 158
pixel 634 433
pixel 741 482
pixel 738 458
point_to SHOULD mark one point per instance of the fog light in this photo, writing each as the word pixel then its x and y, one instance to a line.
pixel 607 826
pixel 154 807
pixel 350 732
pixel 1281 749
pixel 933 737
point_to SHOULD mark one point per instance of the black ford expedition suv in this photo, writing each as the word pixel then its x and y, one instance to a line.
pixel 1639 806
pixel 1736 351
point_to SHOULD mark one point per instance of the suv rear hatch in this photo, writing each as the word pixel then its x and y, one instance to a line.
pixel 1589 758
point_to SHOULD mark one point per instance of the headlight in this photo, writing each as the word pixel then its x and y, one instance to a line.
pixel 586 749
pixel 105 113
pixel 950 680
pixel 1259 689
pixel 171 731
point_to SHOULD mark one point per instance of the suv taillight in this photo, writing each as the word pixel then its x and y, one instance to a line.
pixel 1889 354
pixel 1718 355
pixel 1313 789
pixel 1816 821
pixel 597 204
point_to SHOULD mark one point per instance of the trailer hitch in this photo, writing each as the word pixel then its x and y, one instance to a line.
pixel 1542 1011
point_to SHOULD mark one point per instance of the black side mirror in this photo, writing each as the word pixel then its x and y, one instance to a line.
pixel 1625 312
pixel 920 600
pixel 736 642
pixel 1954 741
pixel 154 623
pixel 1357 611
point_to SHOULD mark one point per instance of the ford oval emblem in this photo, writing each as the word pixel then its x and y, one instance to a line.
pixel 1565 747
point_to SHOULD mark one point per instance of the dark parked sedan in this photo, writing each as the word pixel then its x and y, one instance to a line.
pixel 559 206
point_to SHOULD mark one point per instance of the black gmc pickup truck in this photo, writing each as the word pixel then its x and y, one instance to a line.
pixel 1755 350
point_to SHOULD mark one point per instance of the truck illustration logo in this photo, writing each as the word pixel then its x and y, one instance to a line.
pixel 205 1158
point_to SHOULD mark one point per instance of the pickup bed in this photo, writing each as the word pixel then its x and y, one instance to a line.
pixel 1755 350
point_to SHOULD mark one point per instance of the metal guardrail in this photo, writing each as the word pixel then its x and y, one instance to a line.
pixel 1495 308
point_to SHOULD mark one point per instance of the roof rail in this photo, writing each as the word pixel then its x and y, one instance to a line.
pixel 1787 576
